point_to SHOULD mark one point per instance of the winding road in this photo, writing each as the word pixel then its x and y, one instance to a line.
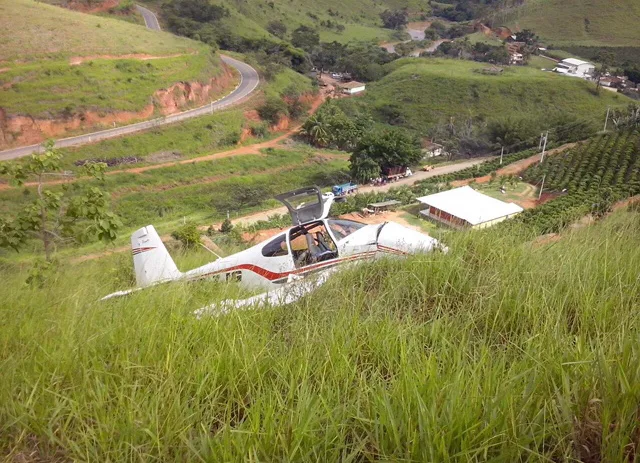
pixel 249 80
pixel 150 19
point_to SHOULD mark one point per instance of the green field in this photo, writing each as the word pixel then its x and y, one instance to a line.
pixel 576 22
pixel 497 351
pixel 54 88
pixel 357 33
pixel 34 30
pixel 202 192
pixel 426 92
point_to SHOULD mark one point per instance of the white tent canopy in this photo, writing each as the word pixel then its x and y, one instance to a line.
pixel 470 205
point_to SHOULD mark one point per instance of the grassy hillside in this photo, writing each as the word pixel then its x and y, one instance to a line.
pixel 578 22
pixel 423 92
pixel 34 30
pixel 498 351
pixel 41 45
pixel 360 19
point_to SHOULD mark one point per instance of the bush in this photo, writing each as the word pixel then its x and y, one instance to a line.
pixel 188 235
pixel 272 110
pixel 226 226
pixel 259 129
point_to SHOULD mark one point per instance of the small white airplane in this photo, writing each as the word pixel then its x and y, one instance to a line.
pixel 314 245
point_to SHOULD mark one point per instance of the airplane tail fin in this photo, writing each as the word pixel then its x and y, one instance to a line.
pixel 151 260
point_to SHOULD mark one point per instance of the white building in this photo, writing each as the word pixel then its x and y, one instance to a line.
pixel 431 149
pixel 353 87
pixel 575 67
pixel 516 58
pixel 465 207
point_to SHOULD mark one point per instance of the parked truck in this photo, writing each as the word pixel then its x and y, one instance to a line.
pixel 345 189
pixel 391 174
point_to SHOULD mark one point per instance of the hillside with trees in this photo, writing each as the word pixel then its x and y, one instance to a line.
pixel 479 105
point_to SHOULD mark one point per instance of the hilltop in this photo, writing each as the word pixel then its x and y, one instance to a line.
pixel 65 71
pixel 421 93
pixel 576 22
pixel 35 30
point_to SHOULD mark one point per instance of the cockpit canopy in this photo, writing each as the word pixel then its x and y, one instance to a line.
pixel 306 204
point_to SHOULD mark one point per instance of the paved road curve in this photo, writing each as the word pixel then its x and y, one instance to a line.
pixel 150 18
pixel 249 80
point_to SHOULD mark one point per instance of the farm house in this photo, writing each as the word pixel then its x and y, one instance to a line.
pixel 465 207
pixel 353 87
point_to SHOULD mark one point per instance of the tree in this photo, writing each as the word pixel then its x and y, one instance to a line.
pixel 197 10
pixel 606 59
pixel 306 38
pixel 388 148
pixel 74 214
pixel 394 19
pixel 363 169
pixel 188 235
pixel 528 37
pixel 277 28
pixel 226 226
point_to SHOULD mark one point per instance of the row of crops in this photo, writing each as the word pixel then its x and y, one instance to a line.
pixel 590 177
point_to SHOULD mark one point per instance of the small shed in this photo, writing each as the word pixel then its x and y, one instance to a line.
pixel 465 207
pixel 383 206
pixel 431 149
pixel 353 87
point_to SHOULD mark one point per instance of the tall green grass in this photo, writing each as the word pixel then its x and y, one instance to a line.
pixel 498 351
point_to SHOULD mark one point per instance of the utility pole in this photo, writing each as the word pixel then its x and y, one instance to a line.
pixel 541 187
pixel 501 154
pixel 540 142
pixel 606 120
pixel 544 146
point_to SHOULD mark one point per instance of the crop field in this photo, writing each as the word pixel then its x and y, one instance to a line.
pixel 425 92
pixel 54 88
pixel 34 30
pixel 497 351
pixel 606 161
pixel 588 178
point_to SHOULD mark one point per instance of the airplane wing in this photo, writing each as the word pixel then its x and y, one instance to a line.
pixel 289 292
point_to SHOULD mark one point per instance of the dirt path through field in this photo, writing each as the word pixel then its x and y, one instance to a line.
pixel 76 60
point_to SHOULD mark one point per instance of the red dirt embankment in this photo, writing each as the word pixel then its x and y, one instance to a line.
pixel 18 130
pixel 89 7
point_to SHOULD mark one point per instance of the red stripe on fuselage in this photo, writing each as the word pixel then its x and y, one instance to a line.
pixel 135 251
pixel 273 276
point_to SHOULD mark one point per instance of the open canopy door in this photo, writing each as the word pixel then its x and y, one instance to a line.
pixel 306 204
